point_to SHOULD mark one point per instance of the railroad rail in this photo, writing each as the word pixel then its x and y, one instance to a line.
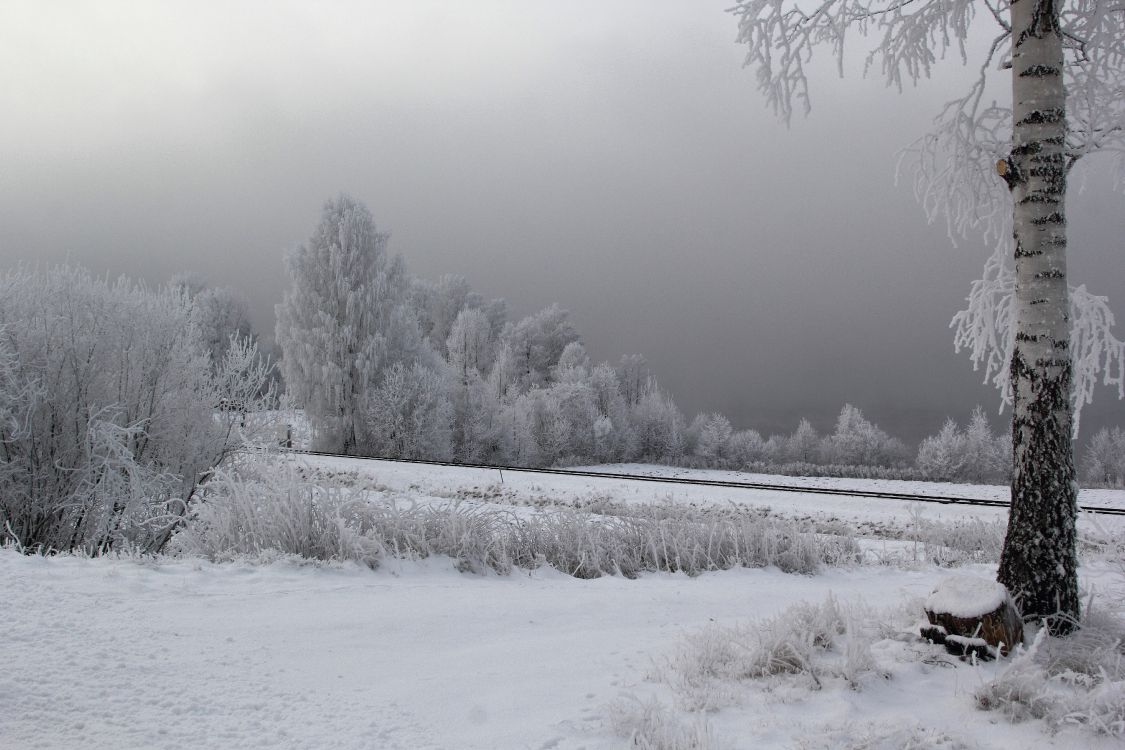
pixel 878 494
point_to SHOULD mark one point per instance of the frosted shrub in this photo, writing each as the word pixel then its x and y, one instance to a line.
pixel 1078 679
pixel 108 418
pixel 259 513
pixel 810 642
pixel 652 725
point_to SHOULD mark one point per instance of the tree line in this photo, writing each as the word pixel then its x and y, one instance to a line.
pixel 118 400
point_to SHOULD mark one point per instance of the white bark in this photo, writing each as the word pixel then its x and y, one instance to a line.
pixel 1039 562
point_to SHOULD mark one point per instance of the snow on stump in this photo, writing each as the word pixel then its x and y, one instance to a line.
pixel 972 616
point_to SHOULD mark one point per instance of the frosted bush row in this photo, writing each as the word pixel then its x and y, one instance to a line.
pixel 272 511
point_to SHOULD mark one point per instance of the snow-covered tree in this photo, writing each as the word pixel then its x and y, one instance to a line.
pixel 746 447
pixel 988 457
pixel 859 442
pixel 532 348
pixel 345 306
pixel 408 415
pixel 1104 460
pixel 470 344
pixel 941 457
pixel 1020 314
pixel 573 365
pixel 222 313
pixel 634 375
pixel 713 442
pixel 438 303
pixel 617 439
pixel 657 425
pixel 804 444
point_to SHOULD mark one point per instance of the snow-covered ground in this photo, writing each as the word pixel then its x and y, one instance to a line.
pixel 180 653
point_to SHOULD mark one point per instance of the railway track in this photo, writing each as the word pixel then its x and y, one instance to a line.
pixel 879 494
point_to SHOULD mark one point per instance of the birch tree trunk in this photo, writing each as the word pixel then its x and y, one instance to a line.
pixel 1039 561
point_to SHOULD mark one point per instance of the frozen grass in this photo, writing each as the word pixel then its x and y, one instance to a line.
pixel 879 736
pixel 806 644
pixel 1079 679
pixel 652 725
pixel 968 540
pixel 269 510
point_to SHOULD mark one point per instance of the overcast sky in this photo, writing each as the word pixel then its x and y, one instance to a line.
pixel 613 157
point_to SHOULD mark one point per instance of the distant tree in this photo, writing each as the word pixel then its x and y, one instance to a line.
pixel 470 344
pixel 987 456
pixel 334 322
pixel 573 365
pixel 804 444
pixel 746 447
pixel 533 346
pixel 615 435
pixel 714 438
pixel 1104 459
pixel 439 303
pixel 1022 322
pixel 657 426
pixel 222 313
pixel 776 449
pixel 634 375
pixel 858 442
pixel 409 415
pixel 941 457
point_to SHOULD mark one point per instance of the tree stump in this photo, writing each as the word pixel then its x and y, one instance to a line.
pixel 972 616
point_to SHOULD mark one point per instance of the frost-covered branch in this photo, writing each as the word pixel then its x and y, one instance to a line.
pixel 781 36
pixel 986 329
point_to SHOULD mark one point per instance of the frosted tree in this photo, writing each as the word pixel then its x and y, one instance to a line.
pixel 222 313
pixel 345 297
pixel 804 444
pixel 941 457
pixel 859 442
pixel 987 456
pixel 657 425
pixel 438 303
pixel 634 375
pixel 746 447
pixel 470 347
pixel 532 347
pixel 1104 459
pixel 409 415
pixel 470 344
pixel 1067 100
pixel 615 436
pixel 714 438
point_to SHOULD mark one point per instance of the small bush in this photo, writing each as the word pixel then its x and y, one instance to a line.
pixel 809 642
pixel 1078 679
pixel 652 725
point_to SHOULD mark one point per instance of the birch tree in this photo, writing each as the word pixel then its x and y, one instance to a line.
pixel 1044 345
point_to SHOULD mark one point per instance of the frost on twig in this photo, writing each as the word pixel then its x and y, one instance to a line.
pixel 986 329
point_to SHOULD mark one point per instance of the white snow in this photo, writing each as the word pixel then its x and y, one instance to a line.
pixel 966 596
pixel 180 653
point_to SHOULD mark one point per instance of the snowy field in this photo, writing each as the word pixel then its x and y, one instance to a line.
pixel 528 488
pixel 184 653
